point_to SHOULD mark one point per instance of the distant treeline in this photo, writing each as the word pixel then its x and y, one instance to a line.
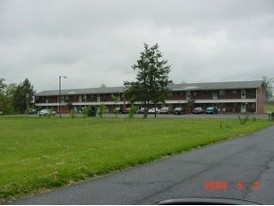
pixel 16 98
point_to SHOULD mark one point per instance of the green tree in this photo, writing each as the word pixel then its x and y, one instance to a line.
pixel 6 97
pixel 2 85
pixel 103 86
pixel 9 103
pixel 152 80
pixel 2 95
pixel 116 99
pixel 101 111
pixel 132 111
pixel 268 89
pixel 23 97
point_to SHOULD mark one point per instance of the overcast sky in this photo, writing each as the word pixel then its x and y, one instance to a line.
pixel 97 42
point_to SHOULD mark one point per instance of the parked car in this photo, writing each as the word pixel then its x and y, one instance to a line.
pixel 141 111
pixel 124 111
pixel 211 110
pixel 121 110
pixel 198 110
pixel 116 110
pixel 179 110
pixel 46 112
pixel 152 110
pixel 165 110
pixel 33 111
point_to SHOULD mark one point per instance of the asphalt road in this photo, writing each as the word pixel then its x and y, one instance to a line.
pixel 242 168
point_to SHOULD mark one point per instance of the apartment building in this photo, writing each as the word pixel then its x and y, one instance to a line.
pixel 235 97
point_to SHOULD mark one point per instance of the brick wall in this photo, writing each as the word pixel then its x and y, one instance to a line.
pixel 176 96
pixel 202 95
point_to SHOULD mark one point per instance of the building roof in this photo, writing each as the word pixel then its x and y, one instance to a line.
pixel 216 85
pixel 173 87
pixel 105 90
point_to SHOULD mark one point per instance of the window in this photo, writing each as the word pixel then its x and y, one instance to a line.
pixel 222 92
pixel 251 93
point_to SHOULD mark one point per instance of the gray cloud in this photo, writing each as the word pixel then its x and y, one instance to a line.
pixel 95 42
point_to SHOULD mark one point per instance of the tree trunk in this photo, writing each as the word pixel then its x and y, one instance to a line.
pixel 145 113
pixel 155 111
pixel 145 110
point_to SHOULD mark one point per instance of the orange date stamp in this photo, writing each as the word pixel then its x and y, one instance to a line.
pixel 215 185
pixel 223 185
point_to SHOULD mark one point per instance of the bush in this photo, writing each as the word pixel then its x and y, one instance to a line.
pixel 102 110
pixel 116 111
pixel 132 111
pixel 72 113
pixel 86 111
pixel 92 112
pixel 243 120
pixel 89 111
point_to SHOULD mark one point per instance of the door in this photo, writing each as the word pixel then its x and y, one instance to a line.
pixel 215 95
pixel 243 107
pixel 243 94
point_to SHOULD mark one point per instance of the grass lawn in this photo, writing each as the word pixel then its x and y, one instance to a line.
pixel 269 107
pixel 37 154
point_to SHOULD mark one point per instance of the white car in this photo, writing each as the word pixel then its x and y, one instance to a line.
pixel 46 112
pixel 141 111
pixel 152 110
pixel 165 110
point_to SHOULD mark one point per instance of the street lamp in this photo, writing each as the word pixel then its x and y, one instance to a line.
pixel 60 93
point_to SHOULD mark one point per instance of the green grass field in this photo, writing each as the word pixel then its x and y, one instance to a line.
pixel 38 154
pixel 269 107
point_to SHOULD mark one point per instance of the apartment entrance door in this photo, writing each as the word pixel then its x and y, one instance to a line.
pixel 243 107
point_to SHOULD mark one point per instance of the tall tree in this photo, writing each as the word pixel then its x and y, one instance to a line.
pixel 268 89
pixel 152 80
pixel 23 96
pixel 2 85
pixel 103 86
pixel 2 95
pixel 9 104
pixel 6 97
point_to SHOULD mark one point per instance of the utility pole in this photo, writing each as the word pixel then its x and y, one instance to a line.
pixel 60 94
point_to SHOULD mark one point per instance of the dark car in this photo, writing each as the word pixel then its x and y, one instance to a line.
pixel 211 110
pixel 121 110
pixel 179 110
pixel 198 110
pixel 124 110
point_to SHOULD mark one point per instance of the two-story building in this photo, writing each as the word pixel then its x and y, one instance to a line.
pixel 237 96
